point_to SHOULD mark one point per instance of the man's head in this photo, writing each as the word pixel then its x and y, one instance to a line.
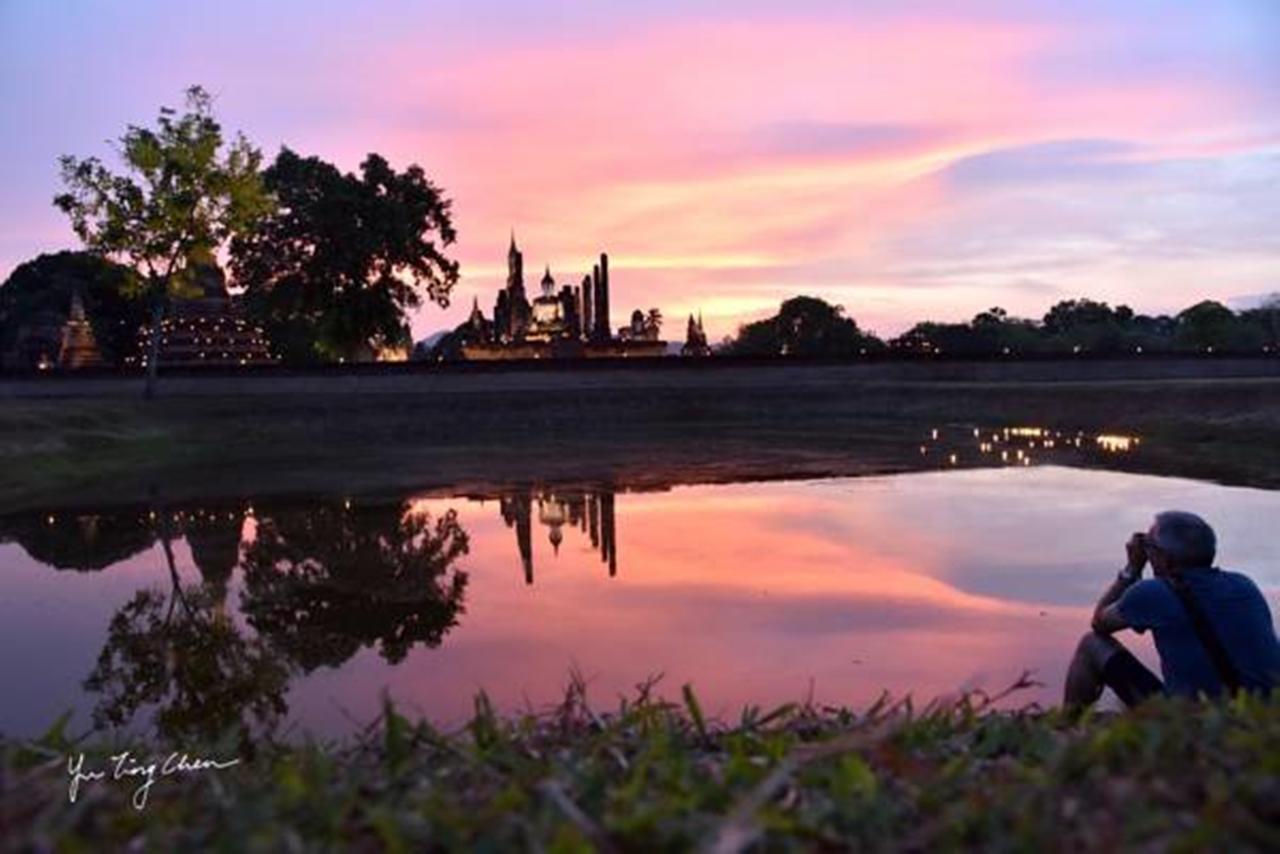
pixel 1180 540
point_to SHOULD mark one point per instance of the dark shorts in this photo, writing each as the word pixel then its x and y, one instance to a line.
pixel 1130 678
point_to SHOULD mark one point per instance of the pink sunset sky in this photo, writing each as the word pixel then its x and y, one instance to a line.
pixel 907 160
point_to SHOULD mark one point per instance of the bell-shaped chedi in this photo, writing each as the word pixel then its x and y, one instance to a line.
pixel 207 326
pixel 78 347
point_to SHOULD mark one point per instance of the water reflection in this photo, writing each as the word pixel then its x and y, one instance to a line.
pixel 319 581
pixel 1021 445
pixel 178 653
pixel 590 511
pixel 85 542
pixel 249 613
pixel 322 582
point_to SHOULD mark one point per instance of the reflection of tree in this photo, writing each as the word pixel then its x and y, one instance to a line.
pixel 322 582
pixel 82 541
pixel 181 654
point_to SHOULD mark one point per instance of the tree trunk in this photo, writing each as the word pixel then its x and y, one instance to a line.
pixel 153 356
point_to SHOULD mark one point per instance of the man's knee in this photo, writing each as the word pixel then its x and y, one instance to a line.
pixel 1097 649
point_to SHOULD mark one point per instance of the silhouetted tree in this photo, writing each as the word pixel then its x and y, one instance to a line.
pixel 1266 320
pixel 1070 315
pixel 332 273
pixel 1210 325
pixel 653 323
pixel 804 326
pixel 180 197
pixel 1084 325
pixel 42 289
pixel 322 582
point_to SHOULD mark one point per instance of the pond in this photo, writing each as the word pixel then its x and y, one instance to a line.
pixel 302 612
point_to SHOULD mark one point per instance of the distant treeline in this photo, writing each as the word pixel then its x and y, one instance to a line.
pixel 809 326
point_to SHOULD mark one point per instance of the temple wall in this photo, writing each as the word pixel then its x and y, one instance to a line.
pixel 540 373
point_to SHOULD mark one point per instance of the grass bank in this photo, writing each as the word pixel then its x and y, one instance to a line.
pixel 809 424
pixel 651 775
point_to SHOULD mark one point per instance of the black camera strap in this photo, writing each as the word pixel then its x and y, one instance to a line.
pixel 1208 637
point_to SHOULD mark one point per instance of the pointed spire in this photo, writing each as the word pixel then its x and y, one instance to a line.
pixel 77 306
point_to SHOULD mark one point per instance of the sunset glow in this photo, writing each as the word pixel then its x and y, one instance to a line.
pixel 908 162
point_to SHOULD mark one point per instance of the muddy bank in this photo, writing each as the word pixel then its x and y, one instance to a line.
pixel 95 450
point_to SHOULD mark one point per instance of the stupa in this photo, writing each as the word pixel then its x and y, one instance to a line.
pixel 78 348
pixel 208 328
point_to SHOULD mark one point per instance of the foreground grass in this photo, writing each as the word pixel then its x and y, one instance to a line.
pixel 654 775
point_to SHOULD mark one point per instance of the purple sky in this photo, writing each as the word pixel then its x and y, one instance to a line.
pixel 908 160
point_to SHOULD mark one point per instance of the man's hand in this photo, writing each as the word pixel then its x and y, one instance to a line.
pixel 1136 552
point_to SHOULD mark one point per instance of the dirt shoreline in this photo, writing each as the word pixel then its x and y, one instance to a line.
pixel 110 450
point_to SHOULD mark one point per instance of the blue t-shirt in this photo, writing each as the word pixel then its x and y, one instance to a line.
pixel 1235 608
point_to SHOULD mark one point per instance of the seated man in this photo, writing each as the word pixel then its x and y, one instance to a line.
pixel 1222 639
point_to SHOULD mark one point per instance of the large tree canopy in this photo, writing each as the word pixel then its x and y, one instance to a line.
pixel 181 196
pixel 332 273
pixel 42 289
pixel 803 326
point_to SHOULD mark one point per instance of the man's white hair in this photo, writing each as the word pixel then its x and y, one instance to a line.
pixel 1184 537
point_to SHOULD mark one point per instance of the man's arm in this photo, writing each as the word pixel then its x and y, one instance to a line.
pixel 1106 615
pixel 1107 619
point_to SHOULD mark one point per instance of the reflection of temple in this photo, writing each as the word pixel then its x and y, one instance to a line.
pixel 208 328
pixel 213 535
pixel 590 512
pixel 564 321
pixel 89 541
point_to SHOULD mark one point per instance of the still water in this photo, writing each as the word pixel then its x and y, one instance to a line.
pixel 302 612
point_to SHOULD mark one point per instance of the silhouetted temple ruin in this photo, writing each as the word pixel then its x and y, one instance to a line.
pixel 695 339
pixel 207 328
pixel 564 321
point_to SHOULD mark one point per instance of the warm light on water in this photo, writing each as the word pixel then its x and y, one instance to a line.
pixel 1116 444
pixel 928 583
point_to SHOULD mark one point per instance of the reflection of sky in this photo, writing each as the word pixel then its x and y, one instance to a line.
pixel 905 160
pixel 925 583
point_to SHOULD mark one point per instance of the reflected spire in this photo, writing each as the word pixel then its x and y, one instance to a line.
pixel 608 541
